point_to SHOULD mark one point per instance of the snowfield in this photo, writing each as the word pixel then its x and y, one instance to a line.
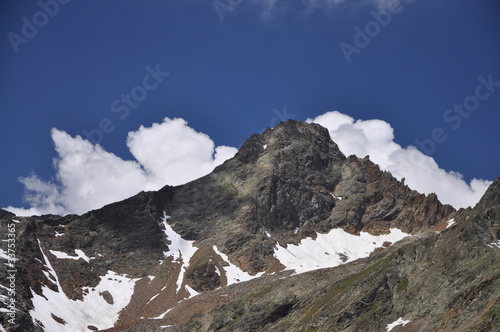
pixel 179 249
pixel 233 273
pixel 78 315
pixel 57 312
pixel 332 249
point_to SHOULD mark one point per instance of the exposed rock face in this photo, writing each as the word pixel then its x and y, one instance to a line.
pixel 204 277
pixel 444 281
pixel 287 184
pixel 293 182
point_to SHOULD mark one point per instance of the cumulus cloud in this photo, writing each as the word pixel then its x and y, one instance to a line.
pixel 375 138
pixel 88 177
pixel 174 153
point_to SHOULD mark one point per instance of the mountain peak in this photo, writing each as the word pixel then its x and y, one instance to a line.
pixel 293 135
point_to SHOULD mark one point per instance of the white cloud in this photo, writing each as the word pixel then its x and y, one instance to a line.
pixel 184 154
pixel 376 139
pixel 42 196
pixel 88 177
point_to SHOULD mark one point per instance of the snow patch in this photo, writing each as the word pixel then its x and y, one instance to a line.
pixel 233 273
pixel 332 249
pixel 162 315
pixel 179 249
pixel 399 321
pixel 339 198
pixel 79 254
pixel 191 291
pixel 450 223
pixel 267 234
pixel 77 315
pixel 264 146
pixel 59 234
pixel 154 297
pixel 494 244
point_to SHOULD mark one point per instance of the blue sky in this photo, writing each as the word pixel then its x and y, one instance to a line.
pixel 264 61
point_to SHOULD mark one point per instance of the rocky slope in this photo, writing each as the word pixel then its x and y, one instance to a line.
pixel 438 281
pixel 289 200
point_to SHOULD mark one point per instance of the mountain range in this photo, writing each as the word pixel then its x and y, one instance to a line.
pixel 288 235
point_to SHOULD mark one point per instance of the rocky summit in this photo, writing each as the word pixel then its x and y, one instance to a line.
pixel 289 235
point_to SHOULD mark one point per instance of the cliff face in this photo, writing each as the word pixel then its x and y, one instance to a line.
pixel 289 200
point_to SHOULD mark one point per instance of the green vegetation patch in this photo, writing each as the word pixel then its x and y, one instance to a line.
pixel 340 287
pixel 403 284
